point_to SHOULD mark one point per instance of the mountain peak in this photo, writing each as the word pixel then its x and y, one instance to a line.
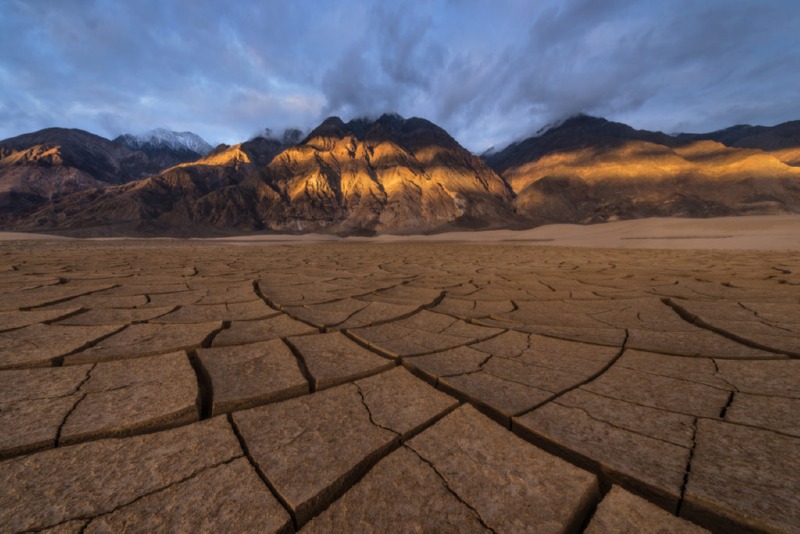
pixel 54 136
pixel 784 136
pixel 577 131
pixel 163 139
pixel 290 136
pixel 394 174
pixel 413 131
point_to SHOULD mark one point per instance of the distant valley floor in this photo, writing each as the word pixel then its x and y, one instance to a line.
pixel 767 232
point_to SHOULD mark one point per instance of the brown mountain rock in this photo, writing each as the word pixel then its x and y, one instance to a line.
pixel 396 175
pixel 391 175
pixel 43 166
pixel 591 170
pixel 782 140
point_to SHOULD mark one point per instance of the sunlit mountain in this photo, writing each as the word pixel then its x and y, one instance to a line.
pixel 44 166
pixel 396 175
pixel 592 170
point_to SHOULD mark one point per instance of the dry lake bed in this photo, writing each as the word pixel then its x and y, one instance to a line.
pixel 409 386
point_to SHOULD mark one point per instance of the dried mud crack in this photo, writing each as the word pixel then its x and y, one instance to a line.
pixel 396 386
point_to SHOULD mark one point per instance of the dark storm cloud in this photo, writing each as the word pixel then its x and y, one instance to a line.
pixel 193 65
pixel 486 71
pixel 391 64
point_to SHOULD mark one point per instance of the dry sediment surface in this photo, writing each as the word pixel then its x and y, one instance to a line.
pixel 175 385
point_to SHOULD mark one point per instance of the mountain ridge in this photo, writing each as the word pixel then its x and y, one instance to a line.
pixel 397 175
pixel 41 166
pixel 781 140
pixel 161 139
pixel 593 170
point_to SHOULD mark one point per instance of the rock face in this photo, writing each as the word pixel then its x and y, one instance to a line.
pixel 592 170
pixel 782 141
pixel 42 166
pixel 187 199
pixel 47 164
pixel 165 139
pixel 165 148
pixel 390 175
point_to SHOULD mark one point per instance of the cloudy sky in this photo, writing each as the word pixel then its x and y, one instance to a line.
pixel 487 71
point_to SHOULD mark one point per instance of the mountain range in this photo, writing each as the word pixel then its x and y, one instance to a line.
pixel 390 175
pixel 165 148
pixel 40 167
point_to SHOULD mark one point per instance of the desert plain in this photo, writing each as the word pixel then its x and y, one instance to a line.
pixel 632 377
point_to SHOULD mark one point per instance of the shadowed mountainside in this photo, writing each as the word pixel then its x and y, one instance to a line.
pixel 182 200
pixel 591 170
pixel 165 148
pixel 782 140
pixel 43 166
pixel 47 164
pixel 389 175
pixel 403 176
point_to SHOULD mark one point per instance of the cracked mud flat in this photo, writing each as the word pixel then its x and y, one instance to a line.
pixel 181 386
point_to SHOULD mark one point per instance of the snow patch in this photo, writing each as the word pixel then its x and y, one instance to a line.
pixel 161 138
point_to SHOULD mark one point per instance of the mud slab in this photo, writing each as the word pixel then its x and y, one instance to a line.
pixel 384 386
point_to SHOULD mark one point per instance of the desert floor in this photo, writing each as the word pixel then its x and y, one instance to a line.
pixel 767 232
pixel 433 385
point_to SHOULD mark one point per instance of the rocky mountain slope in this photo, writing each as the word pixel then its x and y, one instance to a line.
pixel 782 140
pixel 392 175
pixel 180 201
pixel 396 175
pixel 166 148
pixel 44 166
pixel 592 170
pixel 389 175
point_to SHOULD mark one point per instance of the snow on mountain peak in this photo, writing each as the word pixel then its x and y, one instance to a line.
pixel 163 138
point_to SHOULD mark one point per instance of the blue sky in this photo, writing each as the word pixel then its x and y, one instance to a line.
pixel 487 71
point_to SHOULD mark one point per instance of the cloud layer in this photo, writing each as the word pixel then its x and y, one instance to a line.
pixel 488 72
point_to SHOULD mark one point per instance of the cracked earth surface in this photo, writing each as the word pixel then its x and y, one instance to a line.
pixel 194 386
